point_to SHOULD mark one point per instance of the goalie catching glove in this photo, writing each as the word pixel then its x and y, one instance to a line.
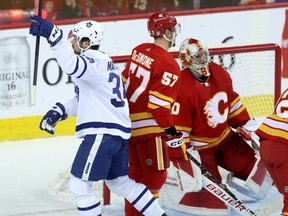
pixel 52 117
pixel 176 144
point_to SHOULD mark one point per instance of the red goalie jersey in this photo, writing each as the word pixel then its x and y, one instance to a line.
pixel 151 89
pixel 212 107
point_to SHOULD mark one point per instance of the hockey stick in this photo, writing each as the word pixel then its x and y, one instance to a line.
pixel 33 100
pixel 247 133
pixel 220 190
pixel 249 137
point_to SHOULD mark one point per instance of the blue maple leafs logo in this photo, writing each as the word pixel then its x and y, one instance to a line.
pixel 77 92
pixel 89 24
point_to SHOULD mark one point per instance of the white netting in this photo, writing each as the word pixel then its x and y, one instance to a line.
pixel 253 76
pixel 252 70
pixel 58 187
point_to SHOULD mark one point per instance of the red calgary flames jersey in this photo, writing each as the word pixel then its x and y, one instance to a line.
pixel 274 128
pixel 205 111
pixel 151 80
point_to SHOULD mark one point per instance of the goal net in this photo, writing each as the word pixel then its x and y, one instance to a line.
pixel 256 74
pixel 255 71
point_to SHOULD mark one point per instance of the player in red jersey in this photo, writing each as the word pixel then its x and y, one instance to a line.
pixel 205 111
pixel 273 133
pixel 152 81
pixel 211 107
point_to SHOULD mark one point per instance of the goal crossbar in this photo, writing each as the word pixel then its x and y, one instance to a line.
pixel 234 50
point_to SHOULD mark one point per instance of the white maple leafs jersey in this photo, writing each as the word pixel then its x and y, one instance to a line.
pixel 102 107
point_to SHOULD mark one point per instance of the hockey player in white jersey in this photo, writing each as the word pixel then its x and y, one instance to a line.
pixel 102 113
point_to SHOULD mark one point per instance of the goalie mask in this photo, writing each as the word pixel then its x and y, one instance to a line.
pixel 88 29
pixel 194 55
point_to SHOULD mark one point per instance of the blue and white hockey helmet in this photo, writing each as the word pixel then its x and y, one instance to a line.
pixel 89 29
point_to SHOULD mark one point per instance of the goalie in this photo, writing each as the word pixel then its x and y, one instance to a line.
pixel 207 110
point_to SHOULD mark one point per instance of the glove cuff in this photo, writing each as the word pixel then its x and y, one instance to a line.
pixel 61 109
pixel 170 131
pixel 55 36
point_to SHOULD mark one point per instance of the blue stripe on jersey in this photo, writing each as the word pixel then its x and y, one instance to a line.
pixel 140 196
pixel 89 207
pixel 76 68
pixel 102 125
pixel 147 205
pixel 85 67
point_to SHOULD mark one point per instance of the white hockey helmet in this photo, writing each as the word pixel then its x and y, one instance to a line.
pixel 194 55
pixel 89 29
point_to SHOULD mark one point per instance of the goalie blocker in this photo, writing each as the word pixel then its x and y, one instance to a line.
pixel 178 193
pixel 188 190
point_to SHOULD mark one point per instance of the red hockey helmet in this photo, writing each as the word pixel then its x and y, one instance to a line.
pixel 158 22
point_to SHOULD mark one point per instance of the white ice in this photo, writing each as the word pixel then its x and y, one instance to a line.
pixel 28 166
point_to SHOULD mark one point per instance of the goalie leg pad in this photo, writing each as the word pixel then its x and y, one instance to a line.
pixel 256 185
pixel 187 174
pixel 200 203
pixel 87 202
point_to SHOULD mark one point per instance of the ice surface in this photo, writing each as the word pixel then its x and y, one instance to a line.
pixel 28 166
